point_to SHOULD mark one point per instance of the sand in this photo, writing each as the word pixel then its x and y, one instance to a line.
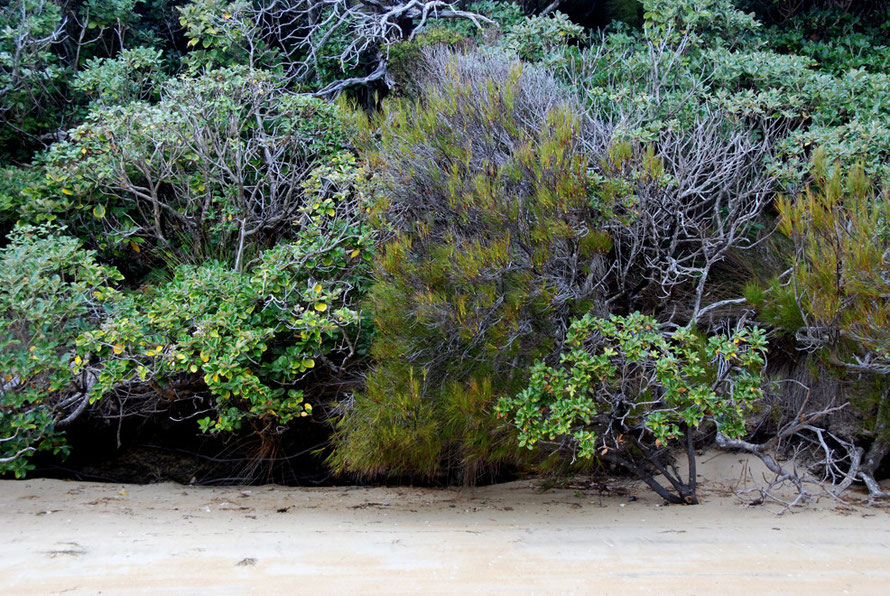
pixel 87 538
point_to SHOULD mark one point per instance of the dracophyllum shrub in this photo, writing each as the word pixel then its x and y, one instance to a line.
pixel 832 301
pixel 624 391
pixel 51 291
pixel 488 247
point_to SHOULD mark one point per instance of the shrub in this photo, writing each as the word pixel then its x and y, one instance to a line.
pixel 841 284
pixel 213 171
pixel 406 57
pixel 258 342
pixel 505 213
pixel 840 234
pixel 134 74
pixel 51 291
pixel 488 248
pixel 624 390
pixel 536 38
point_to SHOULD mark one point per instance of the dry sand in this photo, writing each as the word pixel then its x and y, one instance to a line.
pixel 86 538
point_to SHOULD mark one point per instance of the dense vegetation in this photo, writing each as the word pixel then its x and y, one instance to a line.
pixel 462 238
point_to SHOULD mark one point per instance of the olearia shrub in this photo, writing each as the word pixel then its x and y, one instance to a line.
pixel 213 171
pixel 624 390
pixel 51 291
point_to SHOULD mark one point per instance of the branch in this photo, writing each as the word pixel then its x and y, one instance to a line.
pixel 6 460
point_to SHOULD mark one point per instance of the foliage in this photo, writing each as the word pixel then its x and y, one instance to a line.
pixel 43 46
pixel 29 71
pixel 624 388
pixel 707 22
pixel 536 38
pixel 215 167
pixel 485 213
pixel 252 337
pixel 516 182
pixel 840 274
pixel 324 46
pixel 836 40
pixel 505 15
pixel 694 58
pixel 132 75
pixel 407 57
pixel 51 290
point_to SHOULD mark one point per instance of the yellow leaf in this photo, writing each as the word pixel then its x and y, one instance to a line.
pixel 309 363
pixel 317 288
pixel 354 253
pixel 135 246
pixel 321 306
pixel 65 191
pixel 118 349
pixel 77 360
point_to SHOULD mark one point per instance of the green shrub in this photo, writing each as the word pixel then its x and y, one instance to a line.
pixel 260 341
pixel 536 38
pixel 51 291
pixel 406 57
pixel 485 215
pixel 839 227
pixel 134 74
pixel 212 171
pixel 624 389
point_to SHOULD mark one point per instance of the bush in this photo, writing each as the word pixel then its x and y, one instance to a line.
pixel 839 227
pixel 51 291
pixel 840 280
pixel 536 38
pixel 487 250
pixel 406 57
pixel 505 213
pixel 624 390
pixel 213 171
pixel 258 342
pixel 134 74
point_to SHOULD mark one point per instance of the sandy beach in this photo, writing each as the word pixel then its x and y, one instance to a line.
pixel 88 538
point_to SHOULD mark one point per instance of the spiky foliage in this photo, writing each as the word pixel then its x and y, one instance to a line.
pixel 489 250
pixel 841 278
pixel 841 271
